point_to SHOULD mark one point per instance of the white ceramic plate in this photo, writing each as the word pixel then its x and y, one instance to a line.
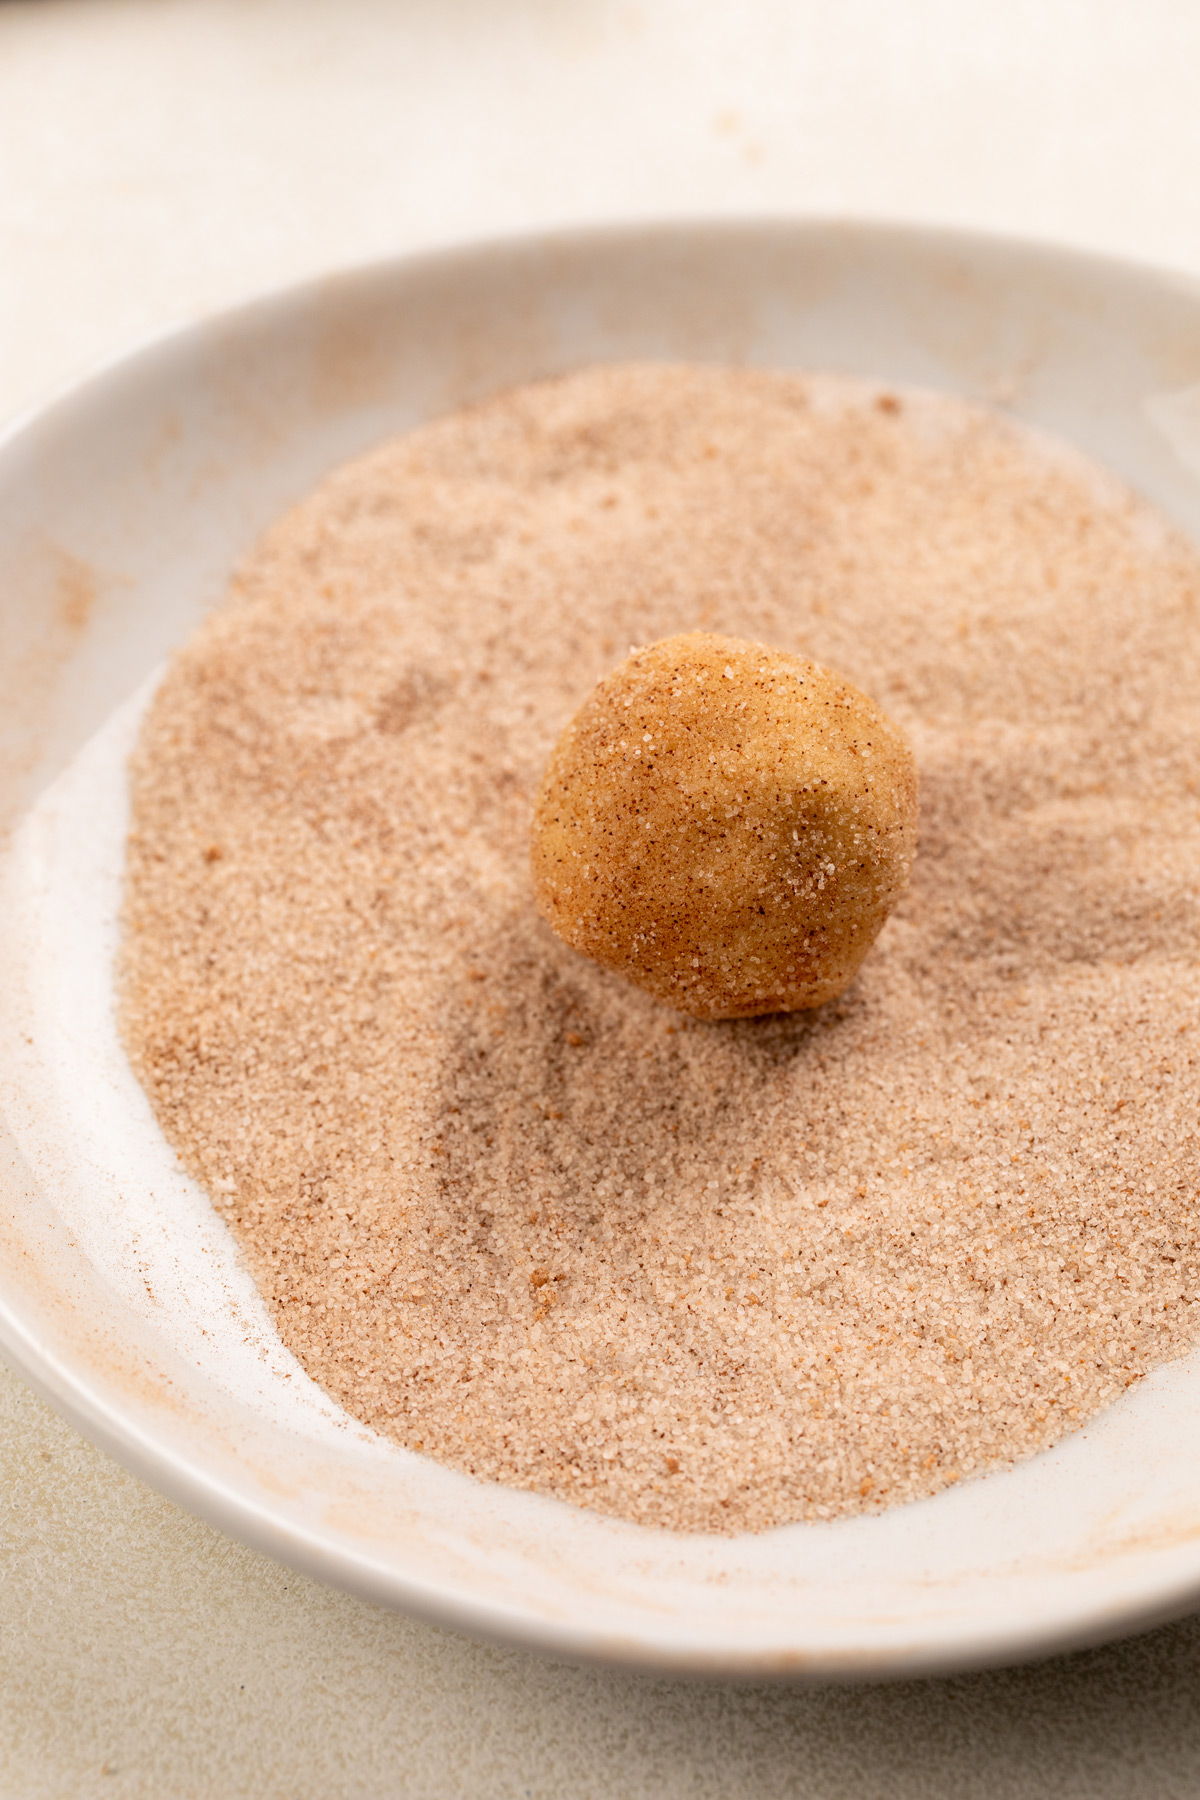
pixel 123 506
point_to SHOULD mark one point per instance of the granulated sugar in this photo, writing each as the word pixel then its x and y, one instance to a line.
pixel 507 1209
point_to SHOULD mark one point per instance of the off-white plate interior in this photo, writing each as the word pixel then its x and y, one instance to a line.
pixel 123 506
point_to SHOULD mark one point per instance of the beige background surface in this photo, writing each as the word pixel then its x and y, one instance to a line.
pixel 162 158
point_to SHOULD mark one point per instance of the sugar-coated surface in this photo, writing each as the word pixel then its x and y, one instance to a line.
pixel 726 825
pixel 712 1276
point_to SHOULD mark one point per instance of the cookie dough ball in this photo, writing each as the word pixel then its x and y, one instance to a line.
pixel 725 825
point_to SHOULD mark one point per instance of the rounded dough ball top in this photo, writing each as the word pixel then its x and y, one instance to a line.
pixel 726 825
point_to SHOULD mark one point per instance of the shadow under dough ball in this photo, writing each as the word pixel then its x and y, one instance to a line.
pixel 725 825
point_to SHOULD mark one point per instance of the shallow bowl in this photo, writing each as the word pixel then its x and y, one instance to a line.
pixel 123 506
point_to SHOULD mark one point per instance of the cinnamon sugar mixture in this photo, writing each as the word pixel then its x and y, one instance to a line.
pixel 514 1213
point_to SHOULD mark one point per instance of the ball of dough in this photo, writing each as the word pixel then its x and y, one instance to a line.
pixel 726 825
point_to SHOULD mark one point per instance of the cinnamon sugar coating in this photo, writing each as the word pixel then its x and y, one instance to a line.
pixel 725 825
pixel 711 1276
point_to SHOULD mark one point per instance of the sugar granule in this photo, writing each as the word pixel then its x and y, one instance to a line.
pixel 707 1276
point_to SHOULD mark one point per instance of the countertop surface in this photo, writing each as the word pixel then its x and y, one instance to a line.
pixel 161 159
